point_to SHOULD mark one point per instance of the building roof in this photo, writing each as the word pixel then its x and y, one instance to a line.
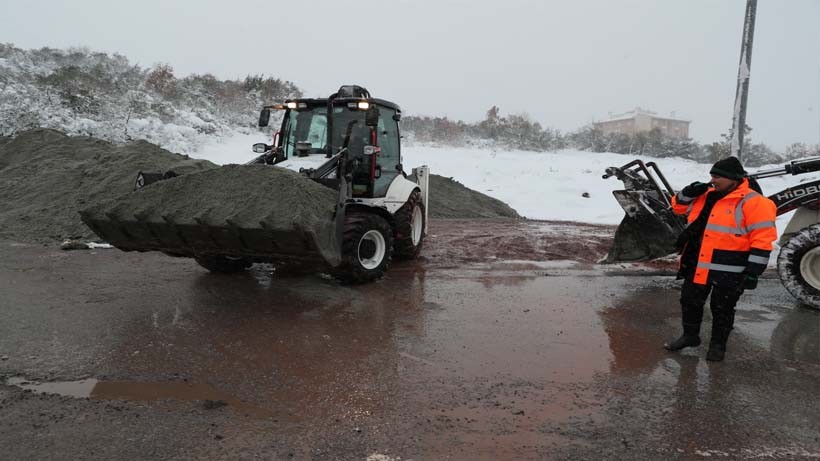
pixel 629 115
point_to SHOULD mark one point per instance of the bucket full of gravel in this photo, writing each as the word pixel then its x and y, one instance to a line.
pixel 253 211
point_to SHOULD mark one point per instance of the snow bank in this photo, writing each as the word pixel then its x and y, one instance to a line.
pixel 548 186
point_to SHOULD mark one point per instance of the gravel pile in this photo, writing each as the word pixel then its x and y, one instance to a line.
pixel 450 199
pixel 46 178
pixel 247 207
pixel 242 194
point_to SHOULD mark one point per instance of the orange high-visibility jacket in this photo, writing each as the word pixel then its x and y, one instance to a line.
pixel 738 235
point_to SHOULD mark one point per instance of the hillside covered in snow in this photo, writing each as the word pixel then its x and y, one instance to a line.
pixel 81 92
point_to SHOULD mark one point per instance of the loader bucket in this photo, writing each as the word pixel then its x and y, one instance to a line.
pixel 649 228
pixel 255 211
pixel 640 238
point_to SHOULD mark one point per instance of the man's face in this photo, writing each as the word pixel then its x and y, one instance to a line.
pixel 723 184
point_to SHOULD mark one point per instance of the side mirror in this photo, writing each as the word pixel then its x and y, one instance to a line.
pixel 372 150
pixel 397 116
pixel 264 117
pixel 261 148
pixel 371 118
pixel 303 148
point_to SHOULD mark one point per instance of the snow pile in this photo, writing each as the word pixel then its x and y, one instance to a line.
pixel 564 186
pixel 449 198
pixel 551 186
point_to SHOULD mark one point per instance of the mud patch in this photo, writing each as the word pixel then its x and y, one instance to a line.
pixel 454 242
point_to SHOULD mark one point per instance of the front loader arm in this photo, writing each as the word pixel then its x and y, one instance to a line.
pixel 650 226
pixel 806 194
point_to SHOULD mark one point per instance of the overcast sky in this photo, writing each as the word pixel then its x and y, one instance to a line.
pixel 565 63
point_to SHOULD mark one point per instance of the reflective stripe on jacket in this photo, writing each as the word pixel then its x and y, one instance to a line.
pixel 738 235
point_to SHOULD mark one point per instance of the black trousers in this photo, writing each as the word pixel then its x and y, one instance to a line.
pixel 724 299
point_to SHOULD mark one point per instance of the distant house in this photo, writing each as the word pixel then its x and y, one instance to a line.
pixel 639 120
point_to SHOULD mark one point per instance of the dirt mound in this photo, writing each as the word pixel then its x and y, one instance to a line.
pixel 450 199
pixel 46 177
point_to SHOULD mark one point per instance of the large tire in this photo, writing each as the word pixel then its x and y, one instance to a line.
pixel 223 264
pixel 409 232
pixel 799 266
pixel 367 248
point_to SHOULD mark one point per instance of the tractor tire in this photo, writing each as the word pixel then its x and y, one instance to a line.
pixel 409 232
pixel 223 264
pixel 367 248
pixel 799 266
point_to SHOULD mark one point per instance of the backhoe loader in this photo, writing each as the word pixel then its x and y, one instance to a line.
pixel 358 207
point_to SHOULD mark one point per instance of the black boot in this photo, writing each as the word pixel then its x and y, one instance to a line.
pixel 690 338
pixel 720 335
pixel 717 350
pixel 723 320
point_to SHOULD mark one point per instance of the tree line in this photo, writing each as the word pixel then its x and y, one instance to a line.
pixel 522 133
pixel 79 91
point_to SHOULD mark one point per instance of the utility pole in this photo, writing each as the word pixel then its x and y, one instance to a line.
pixel 743 71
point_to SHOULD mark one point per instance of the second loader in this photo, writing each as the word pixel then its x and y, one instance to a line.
pixel 349 214
pixel 650 228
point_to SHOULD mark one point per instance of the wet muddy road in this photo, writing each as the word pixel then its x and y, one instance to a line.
pixel 105 354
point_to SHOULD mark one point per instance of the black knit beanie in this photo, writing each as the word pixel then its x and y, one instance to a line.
pixel 729 167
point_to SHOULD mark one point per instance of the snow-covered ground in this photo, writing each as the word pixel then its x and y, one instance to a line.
pixel 547 186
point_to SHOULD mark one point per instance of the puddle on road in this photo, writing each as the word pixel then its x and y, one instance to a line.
pixel 532 328
pixel 134 391
pixel 79 389
pixel 796 337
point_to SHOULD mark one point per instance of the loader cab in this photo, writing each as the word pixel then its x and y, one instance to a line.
pixel 305 134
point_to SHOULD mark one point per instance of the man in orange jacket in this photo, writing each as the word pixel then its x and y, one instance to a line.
pixel 725 247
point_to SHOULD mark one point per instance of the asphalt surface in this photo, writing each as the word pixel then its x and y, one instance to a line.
pixel 113 355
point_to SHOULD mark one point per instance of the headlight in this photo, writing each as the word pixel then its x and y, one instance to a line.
pixel 361 105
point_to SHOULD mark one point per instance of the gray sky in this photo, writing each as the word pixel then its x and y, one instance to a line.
pixel 565 63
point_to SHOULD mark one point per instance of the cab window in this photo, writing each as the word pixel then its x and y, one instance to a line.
pixel 390 156
pixel 305 125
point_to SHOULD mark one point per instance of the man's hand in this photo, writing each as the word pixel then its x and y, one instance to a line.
pixel 695 189
pixel 750 282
